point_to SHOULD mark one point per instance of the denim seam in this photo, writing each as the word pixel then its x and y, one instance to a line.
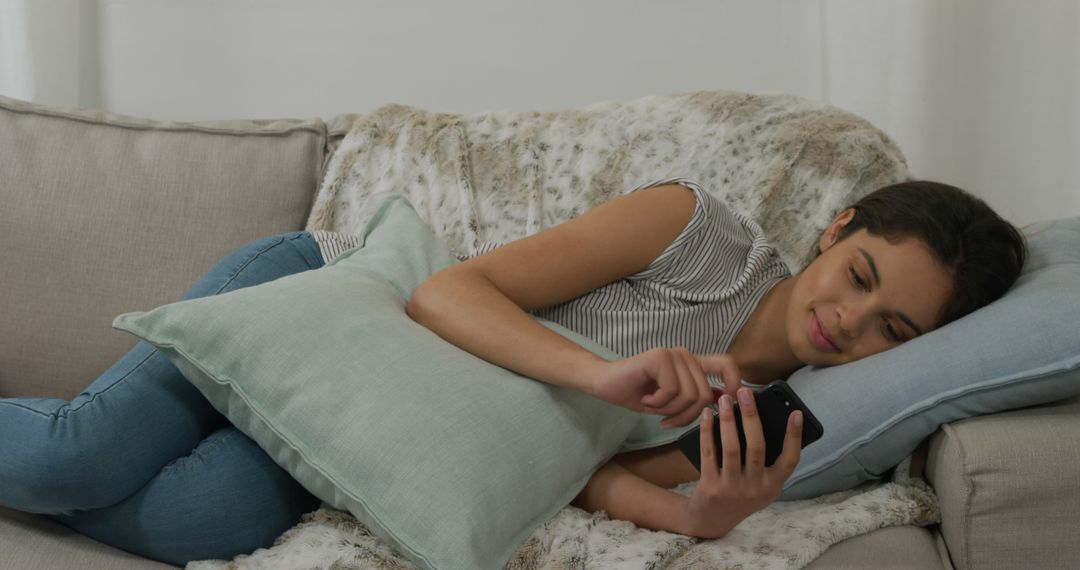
pixel 244 266
pixel 68 410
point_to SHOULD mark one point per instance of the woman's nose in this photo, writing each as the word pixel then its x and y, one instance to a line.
pixel 853 317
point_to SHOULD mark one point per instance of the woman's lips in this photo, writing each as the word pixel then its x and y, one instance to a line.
pixel 818 335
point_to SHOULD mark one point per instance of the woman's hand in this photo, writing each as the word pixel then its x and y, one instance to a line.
pixel 666 381
pixel 725 496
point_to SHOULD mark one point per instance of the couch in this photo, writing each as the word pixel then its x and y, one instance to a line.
pixel 102 214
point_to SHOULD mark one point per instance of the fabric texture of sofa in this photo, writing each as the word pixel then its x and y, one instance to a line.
pixel 102 214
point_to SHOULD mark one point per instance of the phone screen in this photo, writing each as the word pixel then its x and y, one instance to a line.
pixel 774 403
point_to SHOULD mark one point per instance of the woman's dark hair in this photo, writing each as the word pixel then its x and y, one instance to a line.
pixel 983 252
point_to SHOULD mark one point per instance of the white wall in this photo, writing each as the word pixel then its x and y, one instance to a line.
pixel 979 93
pixel 235 58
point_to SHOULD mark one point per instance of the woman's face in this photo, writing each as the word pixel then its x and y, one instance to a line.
pixel 864 295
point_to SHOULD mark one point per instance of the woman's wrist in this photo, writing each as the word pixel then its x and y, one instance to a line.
pixel 688 525
pixel 716 526
pixel 589 372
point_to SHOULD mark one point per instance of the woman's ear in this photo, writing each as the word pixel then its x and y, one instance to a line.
pixel 828 237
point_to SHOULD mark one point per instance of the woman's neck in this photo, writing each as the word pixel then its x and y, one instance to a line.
pixel 761 347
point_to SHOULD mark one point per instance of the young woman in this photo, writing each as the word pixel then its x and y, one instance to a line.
pixel 685 288
pixel 665 275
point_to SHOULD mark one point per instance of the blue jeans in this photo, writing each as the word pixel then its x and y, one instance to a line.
pixel 141 461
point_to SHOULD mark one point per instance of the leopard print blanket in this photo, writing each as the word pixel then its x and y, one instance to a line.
pixel 783 535
pixel 786 162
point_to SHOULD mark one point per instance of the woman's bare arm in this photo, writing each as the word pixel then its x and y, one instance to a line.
pixel 665 466
pixel 625 496
pixel 633 486
pixel 480 304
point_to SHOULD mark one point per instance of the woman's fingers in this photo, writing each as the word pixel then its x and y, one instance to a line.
pixel 723 365
pixel 755 439
pixel 677 407
pixel 705 396
pixel 729 443
pixel 789 456
pixel 659 366
pixel 676 392
pixel 682 385
pixel 708 469
pixel 694 393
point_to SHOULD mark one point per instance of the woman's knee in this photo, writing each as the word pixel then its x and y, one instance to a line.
pixel 67 479
pixel 226 498
pixel 57 483
pixel 106 443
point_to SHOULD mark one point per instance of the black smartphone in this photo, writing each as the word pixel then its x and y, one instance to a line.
pixel 774 403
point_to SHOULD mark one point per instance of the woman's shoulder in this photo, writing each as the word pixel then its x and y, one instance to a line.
pixel 714 216
pixel 719 249
pixel 710 204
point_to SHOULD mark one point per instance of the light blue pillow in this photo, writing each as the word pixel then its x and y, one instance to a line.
pixel 451 459
pixel 1021 350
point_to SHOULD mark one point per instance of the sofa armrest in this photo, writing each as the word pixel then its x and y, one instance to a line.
pixel 1009 487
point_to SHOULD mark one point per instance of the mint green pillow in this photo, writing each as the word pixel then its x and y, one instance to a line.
pixel 451 459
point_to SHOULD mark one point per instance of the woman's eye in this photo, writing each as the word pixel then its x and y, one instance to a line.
pixel 858 280
pixel 891 332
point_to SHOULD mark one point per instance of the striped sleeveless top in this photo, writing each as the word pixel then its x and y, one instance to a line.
pixel 698 293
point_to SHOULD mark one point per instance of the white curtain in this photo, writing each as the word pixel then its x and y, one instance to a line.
pixel 49 51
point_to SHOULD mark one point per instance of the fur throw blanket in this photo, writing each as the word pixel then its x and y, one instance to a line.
pixel 786 162
pixel 784 535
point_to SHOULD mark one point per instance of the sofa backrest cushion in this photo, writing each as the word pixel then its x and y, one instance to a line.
pixel 102 214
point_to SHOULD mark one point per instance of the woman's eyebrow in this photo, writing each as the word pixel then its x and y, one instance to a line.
pixel 877 282
pixel 873 266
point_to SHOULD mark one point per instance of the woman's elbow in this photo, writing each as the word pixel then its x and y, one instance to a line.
pixel 412 307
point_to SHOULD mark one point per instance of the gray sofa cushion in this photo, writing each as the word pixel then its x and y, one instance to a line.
pixel 102 214
pixel 895 547
pixel 34 541
pixel 1009 487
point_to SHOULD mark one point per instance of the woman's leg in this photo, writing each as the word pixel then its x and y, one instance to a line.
pixel 225 499
pixel 58 457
